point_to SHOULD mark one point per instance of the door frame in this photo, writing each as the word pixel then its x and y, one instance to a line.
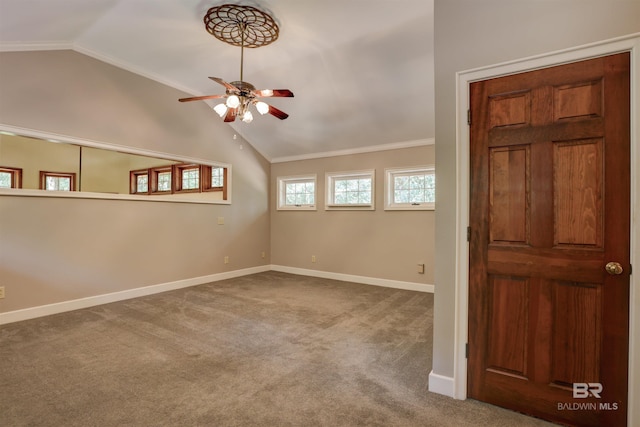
pixel 630 43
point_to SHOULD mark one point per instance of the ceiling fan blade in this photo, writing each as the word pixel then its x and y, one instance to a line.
pixel 231 115
pixel 274 93
pixel 200 98
pixel 225 84
pixel 277 113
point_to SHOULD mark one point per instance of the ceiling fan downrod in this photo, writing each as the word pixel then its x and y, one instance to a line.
pixel 243 29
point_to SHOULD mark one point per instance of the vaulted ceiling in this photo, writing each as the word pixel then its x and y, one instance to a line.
pixel 361 71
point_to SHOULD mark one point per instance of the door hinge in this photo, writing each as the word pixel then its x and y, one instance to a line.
pixel 468 234
pixel 469 117
pixel 466 350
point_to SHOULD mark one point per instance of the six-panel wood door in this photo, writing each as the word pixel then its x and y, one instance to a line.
pixel 549 208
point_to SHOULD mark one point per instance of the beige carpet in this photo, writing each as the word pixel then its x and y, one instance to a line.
pixel 271 349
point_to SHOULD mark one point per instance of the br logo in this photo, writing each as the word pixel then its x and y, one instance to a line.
pixel 584 390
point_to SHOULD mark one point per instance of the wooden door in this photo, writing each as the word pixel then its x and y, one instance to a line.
pixel 549 208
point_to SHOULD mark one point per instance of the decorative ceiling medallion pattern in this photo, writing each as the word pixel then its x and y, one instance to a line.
pixel 243 26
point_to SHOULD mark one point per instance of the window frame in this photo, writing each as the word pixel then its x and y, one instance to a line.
pixel 16 176
pixel 282 182
pixel 178 178
pixel 45 174
pixel 154 174
pixel 207 179
pixel 390 174
pixel 332 177
pixel 133 181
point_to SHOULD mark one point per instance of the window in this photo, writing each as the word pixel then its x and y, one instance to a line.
pixel 410 188
pixel 139 181
pixel 213 178
pixel 161 180
pixel 217 177
pixel 187 178
pixel 297 192
pixel 10 177
pixel 352 190
pixel 57 181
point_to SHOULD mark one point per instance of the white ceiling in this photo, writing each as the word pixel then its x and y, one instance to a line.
pixel 361 70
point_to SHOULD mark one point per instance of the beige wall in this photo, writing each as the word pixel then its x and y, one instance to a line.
pixel 471 34
pixel 108 171
pixel 35 155
pixel 380 244
pixel 54 250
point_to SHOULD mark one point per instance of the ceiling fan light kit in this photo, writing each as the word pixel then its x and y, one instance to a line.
pixel 243 26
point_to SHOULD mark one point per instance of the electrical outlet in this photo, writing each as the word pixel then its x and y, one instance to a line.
pixel 421 268
pixel 1 292
pixel 264 254
pixel 220 220
pixel 226 260
pixel 313 258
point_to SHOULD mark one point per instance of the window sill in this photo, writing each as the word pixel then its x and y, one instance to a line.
pixel 420 207
pixel 297 208
pixel 367 207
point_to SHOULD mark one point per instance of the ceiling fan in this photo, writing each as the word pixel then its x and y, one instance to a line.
pixel 243 26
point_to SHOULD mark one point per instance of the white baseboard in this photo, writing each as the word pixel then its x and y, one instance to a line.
pixel 387 283
pixel 441 385
pixel 76 304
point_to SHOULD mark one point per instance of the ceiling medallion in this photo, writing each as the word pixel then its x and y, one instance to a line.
pixel 243 26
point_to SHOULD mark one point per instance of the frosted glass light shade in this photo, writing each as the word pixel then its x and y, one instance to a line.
pixel 221 109
pixel 233 101
pixel 262 107
pixel 247 117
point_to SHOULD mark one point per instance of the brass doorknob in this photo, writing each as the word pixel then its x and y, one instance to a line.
pixel 613 268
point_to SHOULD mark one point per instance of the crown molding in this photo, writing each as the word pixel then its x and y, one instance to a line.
pixel 135 70
pixel 32 46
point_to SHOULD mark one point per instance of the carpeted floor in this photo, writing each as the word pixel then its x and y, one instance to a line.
pixel 270 349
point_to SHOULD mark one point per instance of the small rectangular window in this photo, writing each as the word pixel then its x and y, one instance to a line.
pixel 410 188
pixel 142 183
pixel 297 193
pixel 351 190
pixel 57 181
pixel 187 178
pixel 217 177
pixel 214 178
pixel 190 179
pixel 10 177
pixel 139 181
pixel 161 180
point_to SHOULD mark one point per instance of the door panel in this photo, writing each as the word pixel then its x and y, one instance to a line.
pixel 509 195
pixel 549 208
pixel 577 185
pixel 507 347
pixel 577 319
